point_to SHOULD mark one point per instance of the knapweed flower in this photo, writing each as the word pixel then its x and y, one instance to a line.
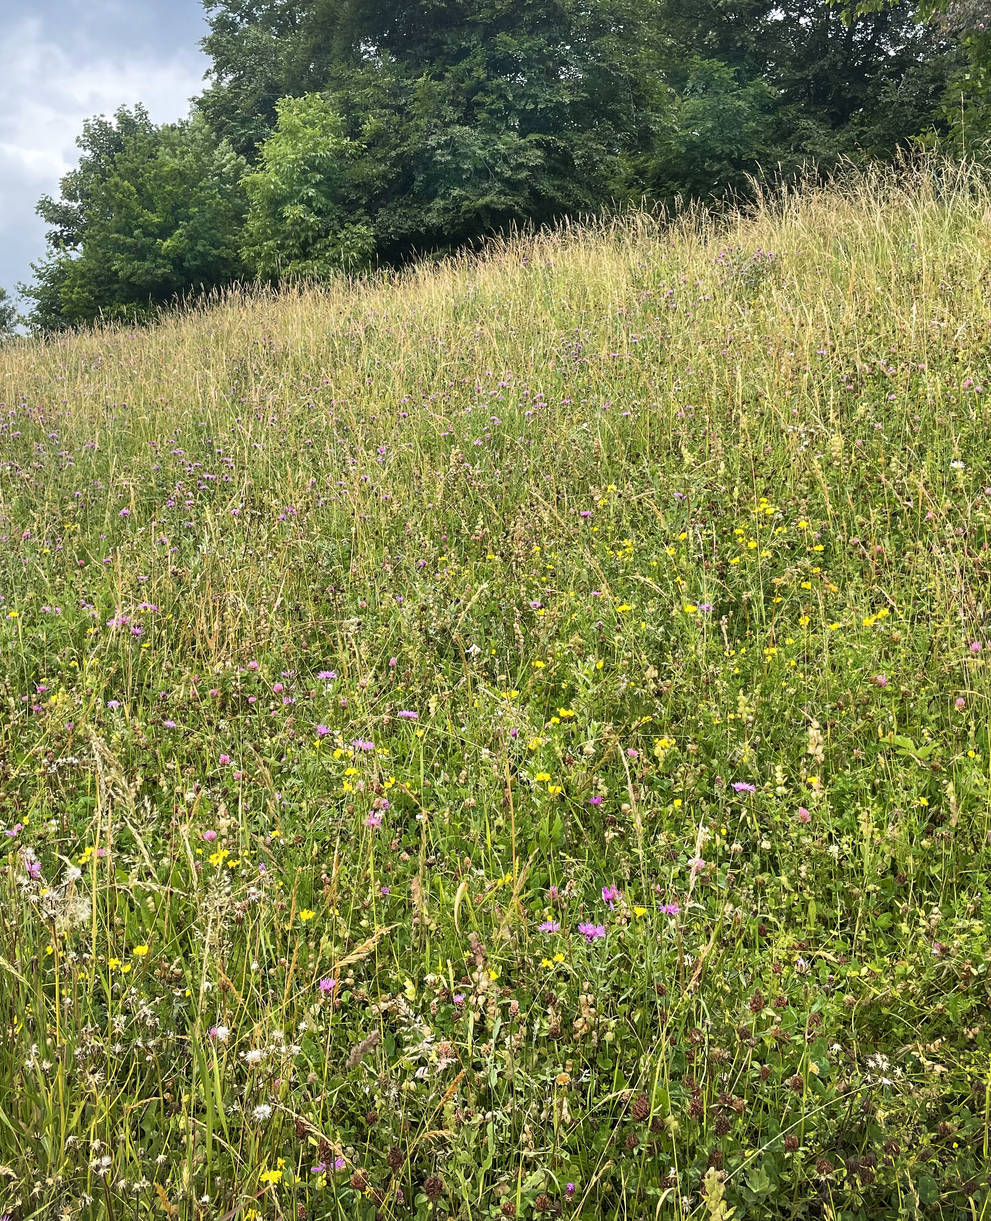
pixel 609 895
pixel 322 731
pixel 362 744
pixel 591 932
pixel 741 786
pixel 550 926
pixel 669 909
pixel 408 715
pixel 329 675
pixel 327 985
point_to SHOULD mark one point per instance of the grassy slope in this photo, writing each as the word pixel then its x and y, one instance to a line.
pixel 502 495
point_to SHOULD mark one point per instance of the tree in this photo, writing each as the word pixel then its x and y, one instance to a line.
pixel 468 115
pixel 8 314
pixel 149 214
pixel 299 221
pixel 847 79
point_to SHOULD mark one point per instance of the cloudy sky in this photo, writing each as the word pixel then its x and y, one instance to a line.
pixel 62 61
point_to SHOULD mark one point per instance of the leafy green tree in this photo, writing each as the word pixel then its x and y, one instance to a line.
pixel 299 220
pixel 467 115
pixel 149 214
pixel 8 314
pixel 847 80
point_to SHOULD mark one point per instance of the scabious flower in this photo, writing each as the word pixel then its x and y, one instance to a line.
pixel 330 675
pixel 591 932
pixel 407 715
pixel 550 926
pixel 741 786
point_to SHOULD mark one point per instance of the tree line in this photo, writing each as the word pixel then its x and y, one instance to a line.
pixel 335 135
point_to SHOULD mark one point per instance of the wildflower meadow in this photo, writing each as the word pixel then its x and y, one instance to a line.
pixel 510 738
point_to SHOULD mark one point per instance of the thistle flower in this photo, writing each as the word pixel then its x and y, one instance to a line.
pixel 591 932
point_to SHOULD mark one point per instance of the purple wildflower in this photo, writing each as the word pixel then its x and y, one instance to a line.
pixel 609 895
pixel 741 786
pixel 550 926
pixel 591 932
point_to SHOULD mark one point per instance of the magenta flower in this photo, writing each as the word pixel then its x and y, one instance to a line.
pixel 669 909
pixel 595 801
pixel 803 815
pixel 741 786
pixel 609 895
pixel 550 926
pixel 591 932
pixel 328 985
pixel 322 731
pixel 224 760
pixel 373 820
pixel 327 674
pixel 362 744
pixel 696 864
pixel 210 836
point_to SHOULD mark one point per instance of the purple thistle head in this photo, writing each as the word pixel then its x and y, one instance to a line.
pixel 591 932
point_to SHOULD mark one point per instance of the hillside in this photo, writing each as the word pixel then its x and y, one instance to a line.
pixel 511 739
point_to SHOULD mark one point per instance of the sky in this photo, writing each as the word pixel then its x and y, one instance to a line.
pixel 62 61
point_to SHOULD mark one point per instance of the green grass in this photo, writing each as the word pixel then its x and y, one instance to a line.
pixel 639 513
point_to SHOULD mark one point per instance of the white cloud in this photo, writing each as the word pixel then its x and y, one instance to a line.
pixel 46 91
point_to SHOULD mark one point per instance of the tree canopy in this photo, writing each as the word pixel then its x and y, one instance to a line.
pixel 336 133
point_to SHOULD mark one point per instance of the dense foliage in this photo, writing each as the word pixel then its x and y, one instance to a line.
pixel 436 123
pixel 510 739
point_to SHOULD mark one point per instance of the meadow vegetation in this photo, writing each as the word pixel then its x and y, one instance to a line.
pixel 510 738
